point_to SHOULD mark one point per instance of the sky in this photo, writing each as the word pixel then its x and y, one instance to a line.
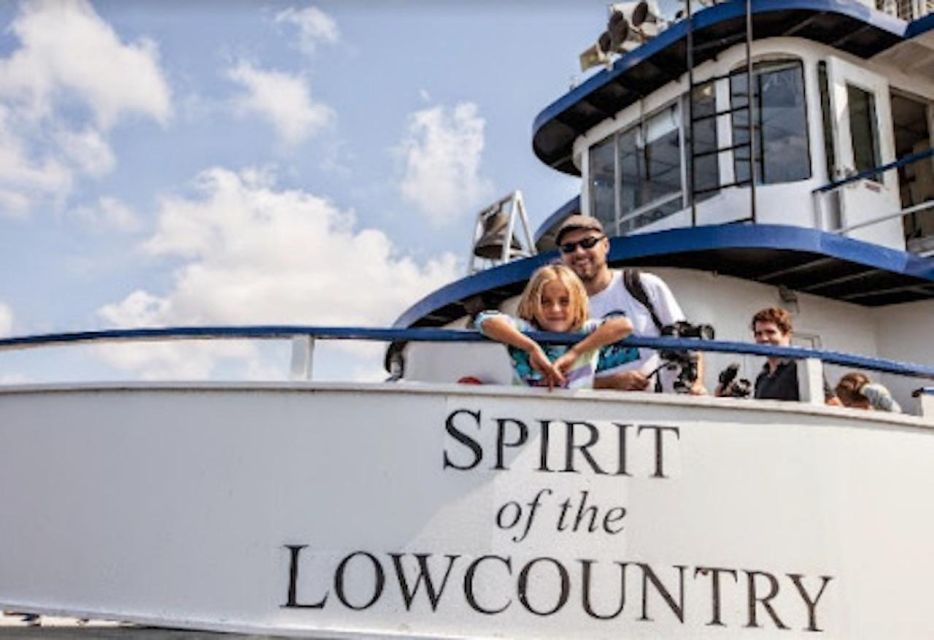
pixel 192 163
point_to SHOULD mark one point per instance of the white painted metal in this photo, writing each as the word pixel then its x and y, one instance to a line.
pixel 302 365
pixel 277 509
pixel 810 381
pixel 516 211
pixel 785 203
pixel 863 200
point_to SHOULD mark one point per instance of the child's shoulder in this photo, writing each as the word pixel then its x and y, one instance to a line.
pixel 518 323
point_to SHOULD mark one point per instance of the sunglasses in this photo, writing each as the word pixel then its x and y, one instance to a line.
pixel 586 243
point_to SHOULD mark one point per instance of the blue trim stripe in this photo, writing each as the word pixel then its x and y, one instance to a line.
pixel 271 332
pixel 674 241
pixel 920 26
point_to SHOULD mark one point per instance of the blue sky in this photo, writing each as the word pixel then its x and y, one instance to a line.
pixel 194 163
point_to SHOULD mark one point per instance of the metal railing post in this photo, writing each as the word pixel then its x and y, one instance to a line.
pixel 925 396
pixel 811 381
pixel 303 351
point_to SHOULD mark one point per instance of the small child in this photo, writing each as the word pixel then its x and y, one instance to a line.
pixel 554 300
pixel 856 390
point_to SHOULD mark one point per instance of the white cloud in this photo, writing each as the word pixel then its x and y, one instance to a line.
pixel 6 320
pixel 255 254
pixel 442 150
pixel 281 99
pixel 112 78
pixel 109 214
pixel 314 27
pixel 88 151
pixel 68 56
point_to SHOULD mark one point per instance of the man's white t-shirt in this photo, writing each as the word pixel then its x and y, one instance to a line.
pixel 617 299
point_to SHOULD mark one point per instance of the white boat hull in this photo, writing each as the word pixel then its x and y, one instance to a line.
pixel 310 510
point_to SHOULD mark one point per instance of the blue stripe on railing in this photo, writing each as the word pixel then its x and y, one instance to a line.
pixel 272 332
pixel 913 157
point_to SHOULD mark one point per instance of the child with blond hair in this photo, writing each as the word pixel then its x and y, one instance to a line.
pixel 554 300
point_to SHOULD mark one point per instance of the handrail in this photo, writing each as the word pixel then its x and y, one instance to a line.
pixel 862 175
pixel 275 332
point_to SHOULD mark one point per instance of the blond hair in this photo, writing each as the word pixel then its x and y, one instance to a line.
pixel 530 304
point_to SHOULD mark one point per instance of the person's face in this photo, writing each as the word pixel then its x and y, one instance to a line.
pixel 769 333
pixel 587 263
pixel 554 310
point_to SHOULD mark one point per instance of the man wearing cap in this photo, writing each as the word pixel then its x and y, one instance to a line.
pixel 584 247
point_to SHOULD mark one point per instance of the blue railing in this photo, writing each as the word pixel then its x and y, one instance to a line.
pixel 280 332
pixel 870 173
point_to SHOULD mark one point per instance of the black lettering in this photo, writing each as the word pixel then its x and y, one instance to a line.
pixel 408 595
pixel 464 439
pixel 613 515
pixel 379 581
pixel 583 448
pixel 715 590
pixel 524 586
pixel 468 584
pixel 501 443
pixel 659 446
pixel 623 437
pixel 564 506
pixel 543 450
pixel 811 604
pixel 583 512
pixel 585 595
pixel 753 598
pixel 291 601
pixel 648 575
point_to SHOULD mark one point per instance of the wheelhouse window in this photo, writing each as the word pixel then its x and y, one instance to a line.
pixel 706 163
pixel 641 181
pixel 863 131
pixel 780 128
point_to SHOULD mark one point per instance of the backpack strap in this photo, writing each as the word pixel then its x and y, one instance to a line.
pixel 633 281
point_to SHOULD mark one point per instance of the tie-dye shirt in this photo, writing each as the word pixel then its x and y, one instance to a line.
pixel 579 376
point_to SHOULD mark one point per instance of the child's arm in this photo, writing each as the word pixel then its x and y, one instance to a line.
pixel 612 330
pixel 501 329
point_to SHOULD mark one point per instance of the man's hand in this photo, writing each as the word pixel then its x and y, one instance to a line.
pixel 623 381
pixel 698 389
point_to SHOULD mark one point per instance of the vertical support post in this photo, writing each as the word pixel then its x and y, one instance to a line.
pixel 817 200
pixel 811 381
pixel 524 219
pixel 510 229
pixel 689 50
pixel 751 113
pixel 303 350
pixel 925 396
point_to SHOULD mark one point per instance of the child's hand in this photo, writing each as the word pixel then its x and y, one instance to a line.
pixel 565 360
pixel 540 363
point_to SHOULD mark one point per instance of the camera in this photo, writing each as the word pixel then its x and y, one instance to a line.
pixel 682 360
pixel 732 387
pixel 684 329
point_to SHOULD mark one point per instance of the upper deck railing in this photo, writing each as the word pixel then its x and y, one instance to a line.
pixel 303 340
pixel 821 193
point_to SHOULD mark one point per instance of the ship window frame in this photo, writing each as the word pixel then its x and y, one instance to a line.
pixel 760 66
pixel 660 204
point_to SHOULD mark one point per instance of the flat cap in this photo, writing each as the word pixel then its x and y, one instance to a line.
pixel 576 222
